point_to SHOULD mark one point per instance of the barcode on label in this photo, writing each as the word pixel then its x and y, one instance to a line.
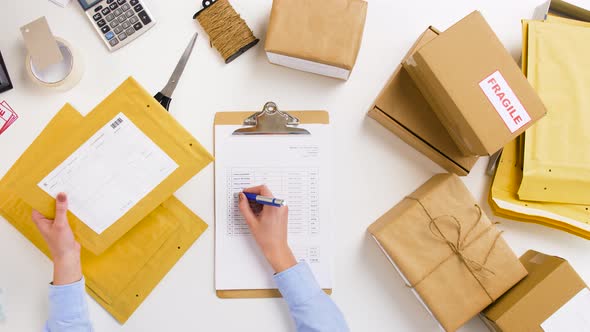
pixel 116 123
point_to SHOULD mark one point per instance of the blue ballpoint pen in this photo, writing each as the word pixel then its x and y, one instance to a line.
pixel 265 200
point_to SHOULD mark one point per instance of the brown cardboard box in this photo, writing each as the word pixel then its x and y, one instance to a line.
pixel 321 37
pixel 401 108
pixel 550 284
pixel 475 87
pixel 447 250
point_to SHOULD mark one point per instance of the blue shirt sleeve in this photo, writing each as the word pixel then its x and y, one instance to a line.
pixel 311 308
pixel 68 310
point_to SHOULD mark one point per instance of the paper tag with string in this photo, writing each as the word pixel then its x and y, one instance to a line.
pixel 41 43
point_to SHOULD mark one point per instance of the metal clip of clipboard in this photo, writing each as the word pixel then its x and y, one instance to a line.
pixel 271 121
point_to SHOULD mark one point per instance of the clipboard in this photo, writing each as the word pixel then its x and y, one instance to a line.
pixel 269 121
pixel 155 122
pixel 123 276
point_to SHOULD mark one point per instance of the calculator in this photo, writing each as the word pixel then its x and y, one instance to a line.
pixel 118 22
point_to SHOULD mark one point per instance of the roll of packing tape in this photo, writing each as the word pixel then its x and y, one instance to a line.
pixel 61 76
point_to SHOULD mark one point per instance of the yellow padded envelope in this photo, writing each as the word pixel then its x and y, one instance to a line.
pixel 558 19
pixel 557 148
pixel 123 276
pixel 154 121
pixel 504 200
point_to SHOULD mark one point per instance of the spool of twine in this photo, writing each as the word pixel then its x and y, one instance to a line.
pixel 228 32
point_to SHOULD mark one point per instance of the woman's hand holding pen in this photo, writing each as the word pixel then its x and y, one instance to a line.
pixel 269 228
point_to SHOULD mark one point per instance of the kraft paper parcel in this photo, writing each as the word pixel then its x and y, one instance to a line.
pixel 155 122
pixel 438 239
pixel 122 277
pixel 557 154
pixel 332 35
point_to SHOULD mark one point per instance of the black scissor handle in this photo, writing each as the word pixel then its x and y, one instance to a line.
pixel 207 3
pixel 163 100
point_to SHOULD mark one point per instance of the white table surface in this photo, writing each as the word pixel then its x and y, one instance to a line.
pixel 375 169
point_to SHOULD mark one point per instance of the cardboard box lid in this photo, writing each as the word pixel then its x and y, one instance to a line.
pixel 401 101
pixel 551 282
pixel 462 61
pixel 327 32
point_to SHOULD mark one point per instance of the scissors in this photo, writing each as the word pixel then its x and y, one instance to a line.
pixel 164 97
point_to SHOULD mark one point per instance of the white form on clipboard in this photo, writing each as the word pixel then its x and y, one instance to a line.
pixel 295 168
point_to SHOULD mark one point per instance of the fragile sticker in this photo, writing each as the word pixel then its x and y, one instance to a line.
pixel 7 116
pixel 505 101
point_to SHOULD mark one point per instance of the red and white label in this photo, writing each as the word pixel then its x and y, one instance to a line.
pixel 505 101
pixel 7 116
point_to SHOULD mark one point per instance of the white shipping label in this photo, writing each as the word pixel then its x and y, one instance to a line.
pixel 505 101
pixel 572 316
pixel 110 173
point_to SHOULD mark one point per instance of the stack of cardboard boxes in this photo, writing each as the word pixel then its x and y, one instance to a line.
pixel 467 96
pixel 458 95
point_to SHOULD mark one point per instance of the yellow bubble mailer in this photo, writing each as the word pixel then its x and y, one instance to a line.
pixel 155 122
pixel 558 19
pixel 504 199
pixel 557 148
pixel 505 203
pixel 124 274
